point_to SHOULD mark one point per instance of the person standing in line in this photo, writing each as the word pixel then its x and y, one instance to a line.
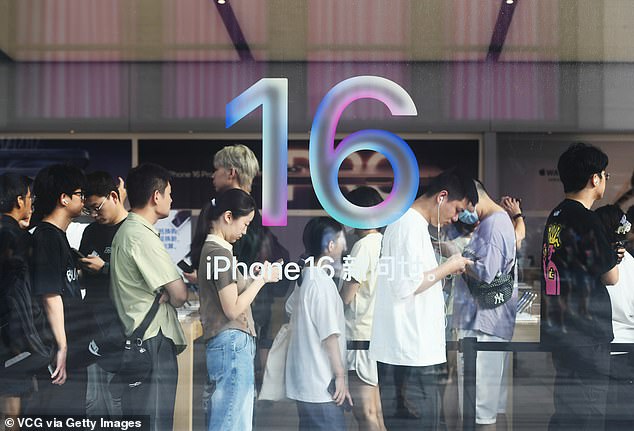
pixel 235 167
pixel 16 204
pixel 408 333
pixel 492 246
pixel 226 296
pixel 315 363
pixel 514 210
pixel 141 269
pixel 576 316
pixel 54 276
pixel 358 294
pixel 104 203
pixel 619 413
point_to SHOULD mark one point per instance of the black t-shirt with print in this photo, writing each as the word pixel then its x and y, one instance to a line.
pixel 55 271
pixel 575 306
pixel 97 238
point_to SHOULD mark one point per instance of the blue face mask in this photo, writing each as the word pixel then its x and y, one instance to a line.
pixel 468 217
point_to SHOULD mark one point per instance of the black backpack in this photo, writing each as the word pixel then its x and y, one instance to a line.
pixel 24 339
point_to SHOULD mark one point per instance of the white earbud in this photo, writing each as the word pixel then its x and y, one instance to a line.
pixel 442 198
pixel 65 202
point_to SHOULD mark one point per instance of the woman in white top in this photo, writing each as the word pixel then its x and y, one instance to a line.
pixel 358 294
pixel 619 414
pixel 315 370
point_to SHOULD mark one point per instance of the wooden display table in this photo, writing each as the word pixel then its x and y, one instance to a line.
pixel 183 408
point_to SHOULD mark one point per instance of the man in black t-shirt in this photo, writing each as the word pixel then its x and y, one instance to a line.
pixel 15 297
pixel 54 277
pixel 104 203
pixel 576 317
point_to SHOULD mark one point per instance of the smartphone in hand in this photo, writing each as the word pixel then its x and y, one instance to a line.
pixel 78 254
pixel 331 390
pixel 185 267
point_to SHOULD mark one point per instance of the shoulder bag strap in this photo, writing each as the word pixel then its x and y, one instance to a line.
pixel 140 331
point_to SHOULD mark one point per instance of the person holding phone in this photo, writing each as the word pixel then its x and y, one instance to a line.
pixel 408 332
pixel 104 204
pixel 225 312
pixel 54 276
pixel 317 348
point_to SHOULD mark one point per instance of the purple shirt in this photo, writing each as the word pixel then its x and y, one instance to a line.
pixel 493 241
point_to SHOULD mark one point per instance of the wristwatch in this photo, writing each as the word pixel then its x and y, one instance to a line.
pixel 518 215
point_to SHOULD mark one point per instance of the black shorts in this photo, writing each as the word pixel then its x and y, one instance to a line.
pixel 16 386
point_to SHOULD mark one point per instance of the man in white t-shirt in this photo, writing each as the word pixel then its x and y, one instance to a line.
pixel 408 334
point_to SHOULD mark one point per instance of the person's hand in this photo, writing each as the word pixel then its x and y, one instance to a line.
pixel 92 263
pixel 59 375
pixel 341 391
pixel 270 273
pixel 165 297
pixel 123 193
pixel 458 264
pixel 191 277
pixel 620 254
pixel 511 206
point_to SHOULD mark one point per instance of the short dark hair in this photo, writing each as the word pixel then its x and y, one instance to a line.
pixel 364 196
pixel 51 182
pixel 12 186
pixel 458 187
pixel 611 216
pixel 143 180
pixel 578 163
pixel 100 183
pixel 316 231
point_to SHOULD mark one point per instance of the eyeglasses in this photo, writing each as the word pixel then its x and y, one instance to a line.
pixel 79 193
pixel 95 211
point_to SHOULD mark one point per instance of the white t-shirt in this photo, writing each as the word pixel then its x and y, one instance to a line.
pixel 408 329
pixel 622 298
pixel 360 312
pixel 316 313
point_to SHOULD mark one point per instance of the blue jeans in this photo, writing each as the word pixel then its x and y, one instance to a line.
pixel 320 416
pixel 230 357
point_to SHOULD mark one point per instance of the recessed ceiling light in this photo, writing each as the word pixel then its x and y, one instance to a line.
pixel 223 1
pixel 507 1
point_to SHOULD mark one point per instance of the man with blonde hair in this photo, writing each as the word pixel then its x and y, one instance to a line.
pixel 235 166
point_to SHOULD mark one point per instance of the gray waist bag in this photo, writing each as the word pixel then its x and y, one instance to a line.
pixel 494 294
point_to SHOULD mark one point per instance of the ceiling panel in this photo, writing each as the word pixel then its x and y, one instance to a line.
pixel 314 30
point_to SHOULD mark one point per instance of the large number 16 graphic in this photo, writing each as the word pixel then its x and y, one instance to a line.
pixel 325 160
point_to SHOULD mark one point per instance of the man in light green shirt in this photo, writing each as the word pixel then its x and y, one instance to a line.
pixel 140 269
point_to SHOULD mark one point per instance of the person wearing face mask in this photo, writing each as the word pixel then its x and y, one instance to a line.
pixel 226 296
pixel 408 332
pixel 492 246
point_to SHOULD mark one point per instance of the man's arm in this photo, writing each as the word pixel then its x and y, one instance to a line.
pixel 331 343
pixel 177 292
pixel 456 264
pixel 349 290
pixel 54 308
pixel 611 277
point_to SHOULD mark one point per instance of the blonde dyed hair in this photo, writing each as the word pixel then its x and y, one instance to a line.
pixel 241 158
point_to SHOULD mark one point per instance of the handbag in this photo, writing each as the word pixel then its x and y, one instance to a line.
pixel 136 362
pixel 274 380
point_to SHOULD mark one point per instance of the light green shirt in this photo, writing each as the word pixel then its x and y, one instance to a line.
pixel 139 266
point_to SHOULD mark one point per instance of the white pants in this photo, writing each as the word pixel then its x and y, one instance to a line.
pixel 491 379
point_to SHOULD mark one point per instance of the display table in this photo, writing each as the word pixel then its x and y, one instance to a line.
pixel 183 408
